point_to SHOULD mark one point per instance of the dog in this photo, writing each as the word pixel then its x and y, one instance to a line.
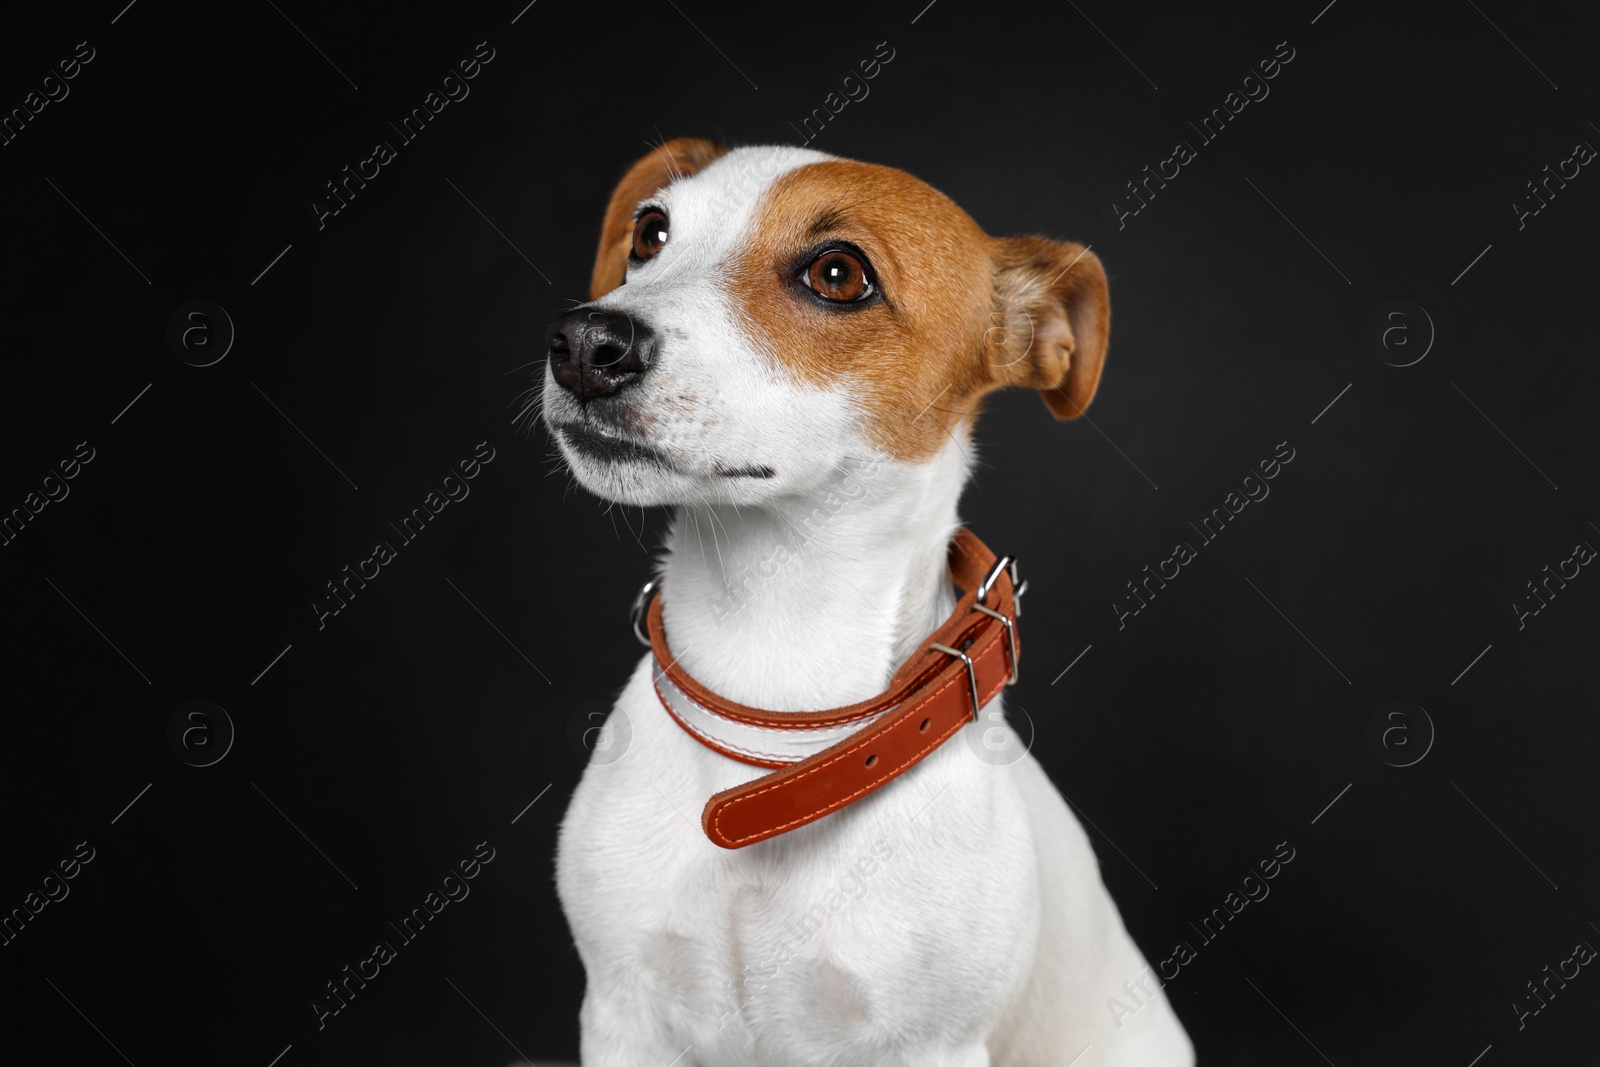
pixel 790 349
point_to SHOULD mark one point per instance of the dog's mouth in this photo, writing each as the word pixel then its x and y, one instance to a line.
pixel 598 442
pixel 595 440
pixel 758 471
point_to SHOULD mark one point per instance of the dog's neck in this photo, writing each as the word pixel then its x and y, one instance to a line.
pixel 814 603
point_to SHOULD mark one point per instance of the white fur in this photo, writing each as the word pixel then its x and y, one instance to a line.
pixel 953 918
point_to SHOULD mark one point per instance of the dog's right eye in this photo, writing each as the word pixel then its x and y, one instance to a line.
pixel 839 276
pixel 649 234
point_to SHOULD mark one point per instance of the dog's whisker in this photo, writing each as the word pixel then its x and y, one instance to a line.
pixel 696 520
pixel 721 570
pixel 629 525
pixel 716 546
pixel 953 441
pixel 672 164
pixel 716 521
pixel 661 143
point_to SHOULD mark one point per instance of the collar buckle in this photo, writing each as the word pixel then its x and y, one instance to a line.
pixel 1009 565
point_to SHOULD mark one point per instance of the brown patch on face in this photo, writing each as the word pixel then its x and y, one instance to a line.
pixel 910 352
pixel 956 313
pixel 678 158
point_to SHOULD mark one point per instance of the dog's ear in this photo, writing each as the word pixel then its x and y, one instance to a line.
pixel 1052 321
pixel 678 158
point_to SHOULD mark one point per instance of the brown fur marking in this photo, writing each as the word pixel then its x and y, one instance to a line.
pixel 961 313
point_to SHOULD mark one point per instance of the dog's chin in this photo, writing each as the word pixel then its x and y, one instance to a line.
pixel 624 482
pixel 635 473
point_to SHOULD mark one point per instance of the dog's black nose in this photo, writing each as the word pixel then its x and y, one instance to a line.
pixel 594 353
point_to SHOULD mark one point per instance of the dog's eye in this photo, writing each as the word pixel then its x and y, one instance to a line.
pixel 839 276
pixel 649 234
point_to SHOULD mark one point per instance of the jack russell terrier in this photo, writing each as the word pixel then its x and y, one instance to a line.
pixel 791 349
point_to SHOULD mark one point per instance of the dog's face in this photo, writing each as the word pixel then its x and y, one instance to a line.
pixel 762 316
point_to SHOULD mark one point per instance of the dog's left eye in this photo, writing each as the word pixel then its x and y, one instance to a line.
pixel 649 234
pixel 839 276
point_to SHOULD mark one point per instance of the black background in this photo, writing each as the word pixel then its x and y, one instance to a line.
pixel 420 720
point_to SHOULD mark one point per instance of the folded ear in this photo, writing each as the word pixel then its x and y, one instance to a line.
pixel 1052 299
pixel 678 158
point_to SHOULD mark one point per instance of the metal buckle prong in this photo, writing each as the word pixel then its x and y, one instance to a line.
pixel 636 613
pixel 972 674
pixel 1011 639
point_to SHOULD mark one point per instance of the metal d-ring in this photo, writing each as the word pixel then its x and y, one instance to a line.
pixel 972 674
pixel 994 573
pixel 1018 587
pixel 636 613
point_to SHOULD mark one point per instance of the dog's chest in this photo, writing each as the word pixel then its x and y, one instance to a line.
pixel 883 915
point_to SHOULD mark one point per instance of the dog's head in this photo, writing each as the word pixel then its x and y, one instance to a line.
pixel 760 316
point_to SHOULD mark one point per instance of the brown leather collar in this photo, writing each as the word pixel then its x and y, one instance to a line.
pixel 959 668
